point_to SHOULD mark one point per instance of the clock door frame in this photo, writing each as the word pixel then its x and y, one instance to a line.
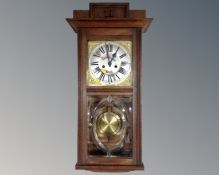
pixel 108 34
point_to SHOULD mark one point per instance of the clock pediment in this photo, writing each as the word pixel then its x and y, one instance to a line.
pixel 109 15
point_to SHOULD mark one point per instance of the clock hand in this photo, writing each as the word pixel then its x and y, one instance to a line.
pixel 107 53
pixel 114 55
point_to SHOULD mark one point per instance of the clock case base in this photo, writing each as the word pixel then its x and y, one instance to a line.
pixel 110 168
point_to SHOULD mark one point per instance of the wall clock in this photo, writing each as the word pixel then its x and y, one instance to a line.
pixel 109 86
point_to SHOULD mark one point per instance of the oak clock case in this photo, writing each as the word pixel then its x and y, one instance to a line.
pixel 109 96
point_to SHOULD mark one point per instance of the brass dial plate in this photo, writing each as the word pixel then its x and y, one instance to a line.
pixel 118 72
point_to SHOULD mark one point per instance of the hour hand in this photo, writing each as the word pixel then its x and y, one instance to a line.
pixel 114 54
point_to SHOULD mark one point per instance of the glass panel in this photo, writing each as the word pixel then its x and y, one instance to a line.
pixel 110 126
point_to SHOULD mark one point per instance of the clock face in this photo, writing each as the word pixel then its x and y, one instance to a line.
pixel 110 63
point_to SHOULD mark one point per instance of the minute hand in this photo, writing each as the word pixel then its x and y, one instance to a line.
pixel 107 53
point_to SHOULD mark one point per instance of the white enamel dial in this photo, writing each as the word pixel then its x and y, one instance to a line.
pixel 109 63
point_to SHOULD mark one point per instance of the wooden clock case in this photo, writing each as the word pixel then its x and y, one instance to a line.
pixel 109 22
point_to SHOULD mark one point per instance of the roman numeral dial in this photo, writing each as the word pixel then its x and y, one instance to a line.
pixel 109 63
